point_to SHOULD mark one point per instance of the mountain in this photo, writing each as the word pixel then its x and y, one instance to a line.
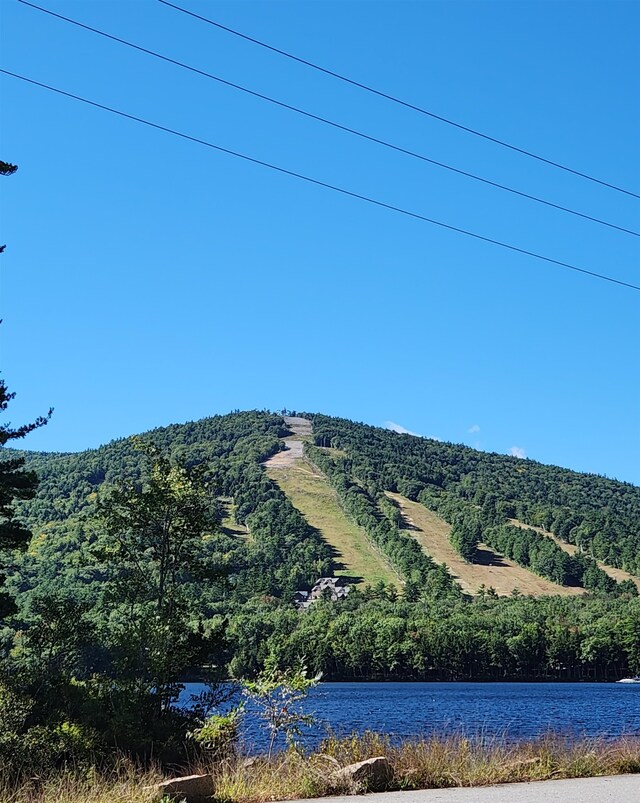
pixel 461 563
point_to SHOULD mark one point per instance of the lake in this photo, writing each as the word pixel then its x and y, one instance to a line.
pixel 507 710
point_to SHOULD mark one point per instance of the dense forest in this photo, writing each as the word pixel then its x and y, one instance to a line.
pixel 132 580
pixel 284 553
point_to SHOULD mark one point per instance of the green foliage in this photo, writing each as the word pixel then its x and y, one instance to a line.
pixel 486 638
pixel 155 536
pixel 218 734
pixel 283 552
pixel 107 656
pixel 277 696
pixel 156 541
pixel 15 484
pixel 465 536
pixel 535 551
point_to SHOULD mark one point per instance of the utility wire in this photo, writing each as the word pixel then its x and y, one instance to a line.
pixel 400 102
pixel 324 184
pixel 332 123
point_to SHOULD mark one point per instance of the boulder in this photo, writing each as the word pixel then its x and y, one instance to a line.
pixel 192 788
pixel 372 775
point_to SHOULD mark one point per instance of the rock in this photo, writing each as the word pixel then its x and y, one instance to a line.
pixel 192 788
pixel 372 775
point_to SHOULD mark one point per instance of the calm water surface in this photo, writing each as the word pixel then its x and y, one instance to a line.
pixel 510 710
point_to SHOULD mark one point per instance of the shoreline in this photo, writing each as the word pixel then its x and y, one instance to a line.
pixel 455 769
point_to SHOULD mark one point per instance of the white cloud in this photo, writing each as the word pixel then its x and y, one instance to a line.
pixel 517 451
pixel 473 429
pixel 399 429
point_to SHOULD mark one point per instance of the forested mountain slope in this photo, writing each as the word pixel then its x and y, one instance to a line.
pixel 598 515
pixel 478 493
pixel 423 627
pixel 283 552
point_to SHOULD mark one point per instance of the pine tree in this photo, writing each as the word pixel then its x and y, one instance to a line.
pixel 15 482
pixel 6 169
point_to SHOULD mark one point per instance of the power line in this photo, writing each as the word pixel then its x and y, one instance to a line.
pixel 332 123
pixel 319 183
pixel 399 101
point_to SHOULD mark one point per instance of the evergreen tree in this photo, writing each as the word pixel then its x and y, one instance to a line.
pixel 15 483
pixel 6 169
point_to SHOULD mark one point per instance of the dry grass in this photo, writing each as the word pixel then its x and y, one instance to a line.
pixel 435 762
pixel 503 574
pixel 457 761
pixel 286 777
pixel 428 764
pixel 123 785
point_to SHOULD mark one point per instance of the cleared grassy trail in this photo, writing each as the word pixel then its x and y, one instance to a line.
pixel 310 492
pixel 495 570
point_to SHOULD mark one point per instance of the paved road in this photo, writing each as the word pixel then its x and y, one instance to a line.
pixel 614 789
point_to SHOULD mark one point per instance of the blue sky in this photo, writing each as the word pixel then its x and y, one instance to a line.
pixel 148 280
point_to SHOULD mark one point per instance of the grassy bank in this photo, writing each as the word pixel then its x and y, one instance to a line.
pixel 431 763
